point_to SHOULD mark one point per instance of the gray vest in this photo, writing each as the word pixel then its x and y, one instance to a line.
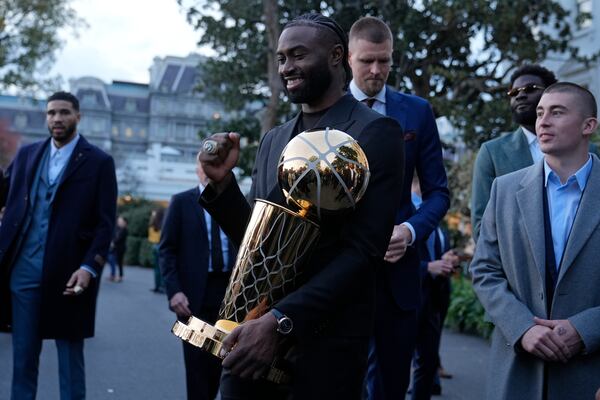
pixel 27 269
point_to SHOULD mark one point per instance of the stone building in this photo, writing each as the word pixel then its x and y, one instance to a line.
pixel 152 130
pixel 584 19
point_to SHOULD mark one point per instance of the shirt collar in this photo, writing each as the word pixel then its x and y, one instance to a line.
pixel 66 150
pixel 581 176
pixel 360 95
pixel 531 137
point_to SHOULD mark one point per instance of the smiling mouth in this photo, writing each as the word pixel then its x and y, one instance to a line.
pixel 293 83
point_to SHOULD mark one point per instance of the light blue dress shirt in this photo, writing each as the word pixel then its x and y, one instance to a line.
pixel 563 202
pixel 59 157
pixel 224 240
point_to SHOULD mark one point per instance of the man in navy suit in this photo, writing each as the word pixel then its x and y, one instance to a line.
pixel 195 259
pixel 437 263
pixel 398 280
pixel 54 238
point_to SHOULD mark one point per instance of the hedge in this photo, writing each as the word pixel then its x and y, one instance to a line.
pixel 466 314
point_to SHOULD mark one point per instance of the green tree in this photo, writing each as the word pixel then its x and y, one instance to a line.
pixel 456 54
pixel 29 39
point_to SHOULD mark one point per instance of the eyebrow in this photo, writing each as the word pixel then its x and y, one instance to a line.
pixel 553 107
pixel 292 49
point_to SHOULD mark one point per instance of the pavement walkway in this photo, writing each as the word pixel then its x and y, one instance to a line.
pixel 134 356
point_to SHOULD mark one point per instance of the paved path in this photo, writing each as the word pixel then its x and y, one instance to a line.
pixel 134 355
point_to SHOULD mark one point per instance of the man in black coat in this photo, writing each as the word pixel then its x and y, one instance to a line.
pixel 332 313
pixel 195 265
pixel 54 238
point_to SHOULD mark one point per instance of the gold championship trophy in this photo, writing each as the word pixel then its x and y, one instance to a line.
pixel 319 171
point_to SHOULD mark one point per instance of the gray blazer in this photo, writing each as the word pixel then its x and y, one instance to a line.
pixel 509 278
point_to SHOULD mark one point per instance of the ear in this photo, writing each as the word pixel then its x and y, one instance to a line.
pixel 589 126
pixel 337 54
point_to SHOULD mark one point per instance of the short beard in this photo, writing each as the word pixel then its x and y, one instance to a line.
pixel 526 118
pixel 66 136
pixel 317 82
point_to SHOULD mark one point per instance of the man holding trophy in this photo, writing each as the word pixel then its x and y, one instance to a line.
pixel 320 328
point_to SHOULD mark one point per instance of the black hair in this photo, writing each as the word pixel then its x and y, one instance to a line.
pixel 327 24
pixel 545 74
pixel 66 96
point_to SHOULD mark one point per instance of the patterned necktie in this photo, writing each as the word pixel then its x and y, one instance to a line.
pixel 369 102
pixel 216 253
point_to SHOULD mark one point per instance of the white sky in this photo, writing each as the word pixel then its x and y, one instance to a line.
pixel 122 37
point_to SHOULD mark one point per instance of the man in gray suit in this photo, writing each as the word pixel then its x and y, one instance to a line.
pixel 515 150
pixel 535 268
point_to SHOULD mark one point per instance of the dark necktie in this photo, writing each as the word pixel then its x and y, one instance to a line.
pixel 216 254
pixel 369 102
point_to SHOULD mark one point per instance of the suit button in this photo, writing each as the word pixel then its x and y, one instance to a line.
pixel 26 197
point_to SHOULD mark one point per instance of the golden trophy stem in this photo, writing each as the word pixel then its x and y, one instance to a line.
pixel 268 266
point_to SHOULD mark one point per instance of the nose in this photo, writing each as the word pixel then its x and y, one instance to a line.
pixel 541 120
pixel 286 66
pixel 375 68
pixel 521 95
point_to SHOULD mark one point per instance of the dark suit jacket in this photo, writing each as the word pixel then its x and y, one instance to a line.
pixel 338 294
pixel 431 286
pixel 80 230
pixel 424 155
pixel 184 251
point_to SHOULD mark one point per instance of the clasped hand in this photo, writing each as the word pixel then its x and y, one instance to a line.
pixel 552 340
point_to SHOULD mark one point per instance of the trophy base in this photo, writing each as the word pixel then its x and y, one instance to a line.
pixel 201 334
pixel 210 338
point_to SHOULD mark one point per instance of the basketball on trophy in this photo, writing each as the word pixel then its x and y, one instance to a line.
pixel 323 170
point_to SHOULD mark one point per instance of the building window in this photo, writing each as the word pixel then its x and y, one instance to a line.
pixel 97 125
pixel 88 100
pixel 20 121
pixel 115 130
pixel 128 132
pixel 180 130
pixel 584 13
pixel 130 105
pixel 142 133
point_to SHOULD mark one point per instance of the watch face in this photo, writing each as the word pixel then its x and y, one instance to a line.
pixel 285 325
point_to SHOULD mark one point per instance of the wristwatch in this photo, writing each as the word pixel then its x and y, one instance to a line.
pixel 284 324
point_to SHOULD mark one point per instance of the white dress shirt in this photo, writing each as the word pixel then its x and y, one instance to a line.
pixel 378 105
pixel 534 145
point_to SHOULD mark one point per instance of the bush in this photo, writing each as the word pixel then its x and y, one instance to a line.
pixel 132 253
pixel 138 220
pixel 139 250
pixel 466 314
pixel 146 254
